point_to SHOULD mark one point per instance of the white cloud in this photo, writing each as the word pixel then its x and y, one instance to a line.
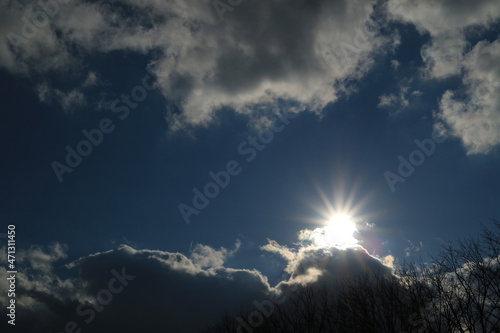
pixel 314 262
pixel 205 256
pixel 282 250
pixel 395 64
pixel 302 51
pixel 387 100
pixel 400 101
pixel 475 119
pixel 444 54
pixel 428 15
pixel 40 260
pixel 68 100
pixel 470 113
pixel 388 260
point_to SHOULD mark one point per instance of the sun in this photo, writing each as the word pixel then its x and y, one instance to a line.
pixel 338 232
pixel 340 217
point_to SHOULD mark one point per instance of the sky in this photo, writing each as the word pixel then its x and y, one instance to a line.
pixel 191 157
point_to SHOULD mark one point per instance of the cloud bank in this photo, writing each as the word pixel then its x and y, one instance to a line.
pixel 303 51
pixel 165 290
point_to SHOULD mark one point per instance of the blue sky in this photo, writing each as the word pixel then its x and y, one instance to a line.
pixel 356 82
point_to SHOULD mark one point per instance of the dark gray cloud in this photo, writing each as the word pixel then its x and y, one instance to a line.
pixel 149 290
pixel 262 50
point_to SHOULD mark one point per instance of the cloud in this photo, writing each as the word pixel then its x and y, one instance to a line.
pixel 337 264
pixel 67 100
pixel 30 44
pixel 474 118
pixel 387 100
pixel 395 64
pixel 165 290
pixel 443 55
pixel 39 260
pixel 400 101
pixel 312 262
pixel 205 256
pixel 388 261
pixel 282 250
pixel 471 112
pixel 263 50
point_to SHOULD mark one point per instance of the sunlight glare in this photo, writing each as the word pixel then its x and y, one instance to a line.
pixel 339 232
